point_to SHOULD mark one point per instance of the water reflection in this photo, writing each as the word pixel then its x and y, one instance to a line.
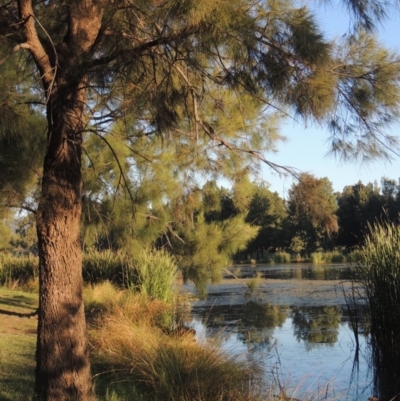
pixel 316 325
pixel 296 272
pixel 255 321
pixel 312 345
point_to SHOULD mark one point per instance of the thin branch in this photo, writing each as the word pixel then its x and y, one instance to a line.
pixel 122 174
pixel 15 49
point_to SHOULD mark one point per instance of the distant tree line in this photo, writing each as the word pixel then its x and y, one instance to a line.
pixel 206 226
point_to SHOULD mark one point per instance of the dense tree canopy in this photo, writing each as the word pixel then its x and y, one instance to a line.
pixel 311 207
pixel 178 86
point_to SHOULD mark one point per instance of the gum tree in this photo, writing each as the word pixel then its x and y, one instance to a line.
pixel 177 70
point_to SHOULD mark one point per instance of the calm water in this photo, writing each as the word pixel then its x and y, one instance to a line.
pixel 296 271
pixel 309 348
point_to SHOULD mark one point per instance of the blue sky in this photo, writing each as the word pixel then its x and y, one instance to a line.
pixel 306 147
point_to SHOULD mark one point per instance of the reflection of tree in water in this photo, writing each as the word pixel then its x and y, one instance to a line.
pixel 259 321
pixel 254 321
pixel 316 324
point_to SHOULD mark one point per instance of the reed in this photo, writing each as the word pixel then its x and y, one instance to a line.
pixel 327 257
pixel 317 258
pixel 153 273
pixel 378 274
pixel 282 257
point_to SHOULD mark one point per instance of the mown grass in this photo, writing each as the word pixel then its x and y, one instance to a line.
pixel 17 345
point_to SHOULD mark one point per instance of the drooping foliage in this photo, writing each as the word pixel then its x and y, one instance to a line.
pixel 200 82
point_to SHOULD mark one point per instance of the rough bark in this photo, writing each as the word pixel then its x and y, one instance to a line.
pixel 63 369
pixel 62 366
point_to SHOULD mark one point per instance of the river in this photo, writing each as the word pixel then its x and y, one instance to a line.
pixel 293 320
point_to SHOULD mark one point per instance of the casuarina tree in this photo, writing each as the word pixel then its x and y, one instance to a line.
pixel 177 70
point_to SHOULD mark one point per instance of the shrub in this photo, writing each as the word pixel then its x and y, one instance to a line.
pixel 103 266
pixel 17 270
pixel 317 258
pixel 354 256
pixel 152 273
pixel 338 257
pixel 282 257
pixel 327 257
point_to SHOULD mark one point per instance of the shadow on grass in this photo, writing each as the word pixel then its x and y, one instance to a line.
pixel 17 345
pixel 19 301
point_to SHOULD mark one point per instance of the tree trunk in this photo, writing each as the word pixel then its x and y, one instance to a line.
pixel 63 369
pixel 62 360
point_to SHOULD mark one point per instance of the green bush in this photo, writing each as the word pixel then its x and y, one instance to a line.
pixel 111 266
pixel 152 272
pixel 282 257
pixel 17 270
pixel 317 258
pixel 354 256
pixel 338 257
pixel 327 257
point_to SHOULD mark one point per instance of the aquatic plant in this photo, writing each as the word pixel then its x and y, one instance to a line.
pixel 317 258
pixel 152 272
pixel 378 274
pixel 282 257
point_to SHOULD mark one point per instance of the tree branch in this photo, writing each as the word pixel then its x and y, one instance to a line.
pixel 36 48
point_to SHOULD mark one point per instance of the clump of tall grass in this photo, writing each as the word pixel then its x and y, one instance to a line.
pixel 132 353
pixel 327 257
pixel 102 297
pixel 153 273
pixel 317 258
pixel 17 270
pixel 337 257
pixel 282 257
pixel 107 265
pixel 378 274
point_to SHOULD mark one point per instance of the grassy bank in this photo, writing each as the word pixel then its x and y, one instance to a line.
pixel 139 350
